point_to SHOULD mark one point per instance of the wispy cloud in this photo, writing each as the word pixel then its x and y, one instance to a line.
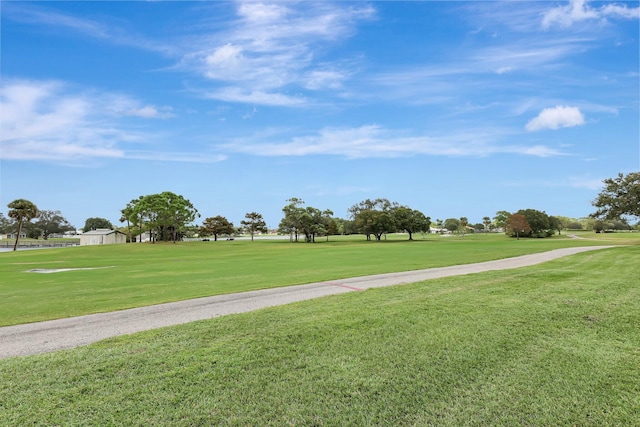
pixel 556 118
pixel 38 123
pixel 585 182
pixel 580 10
pixel 271 48
pixel 51 121
pixel 373 141
pixel 46 17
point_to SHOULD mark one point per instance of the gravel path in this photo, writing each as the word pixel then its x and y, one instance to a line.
pixel 44 337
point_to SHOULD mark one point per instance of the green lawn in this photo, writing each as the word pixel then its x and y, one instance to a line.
pixel 551 345
pixel 135 275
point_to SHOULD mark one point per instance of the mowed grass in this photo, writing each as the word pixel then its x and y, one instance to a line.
pixel 550 345
pixel 124 276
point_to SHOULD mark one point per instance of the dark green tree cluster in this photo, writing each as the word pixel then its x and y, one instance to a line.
pixel 216 226
pixel 528 223
pixel 380 216
pixel 166 216
pixel 620 197
pixel 49 222
pixel 306 220
pixel 96 223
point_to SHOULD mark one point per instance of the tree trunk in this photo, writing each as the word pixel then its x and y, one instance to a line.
pixel 15 246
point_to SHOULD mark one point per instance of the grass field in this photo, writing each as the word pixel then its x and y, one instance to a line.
pixel 552 345
pixel 135 275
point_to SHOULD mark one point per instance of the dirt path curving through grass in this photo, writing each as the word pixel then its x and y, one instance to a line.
pixel 53 335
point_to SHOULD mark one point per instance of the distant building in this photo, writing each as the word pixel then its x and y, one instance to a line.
pixel 102 236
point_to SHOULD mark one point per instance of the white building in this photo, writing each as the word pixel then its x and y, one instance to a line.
pixel 102 236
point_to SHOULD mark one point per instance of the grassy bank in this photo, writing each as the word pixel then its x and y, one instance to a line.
pixel 555 344
pixel 123 276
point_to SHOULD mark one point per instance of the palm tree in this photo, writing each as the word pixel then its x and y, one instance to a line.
pixel 487 222
pixel 464 221
pixel 21 210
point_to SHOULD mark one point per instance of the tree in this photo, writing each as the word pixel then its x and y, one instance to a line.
pixel 452 224
pixel 344 226
pixel 95 223
pixel 517 224
pixel 291 223
pixel 50 222
pixel 619 197
pixel 500 220
pixel 555 223
pixel 486 221
pixel 538 221
pixel 132 217
pixel 464 221
pixel 307 220
pixel 6 225
pixel 410 220
pixel 332 227
pixel 574 225
pixel 216 226
pixel 253 224
pixel 22 211
pixel 166 215
pixel 373 217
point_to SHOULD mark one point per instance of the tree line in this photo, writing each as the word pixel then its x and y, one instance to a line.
pixel 167 216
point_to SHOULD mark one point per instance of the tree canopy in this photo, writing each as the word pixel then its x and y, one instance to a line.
pixel 216 226
pixel 410 220
pixel 50 222
pixel 486 222
pixel 373 217
pixel 619 197
pixel 254 223
pixel 500 220
pixel 518 225
pixel 305 219
pixel 95 223
pixel 452 224
pixel 538 222
pixel 22 211
pixel 165 215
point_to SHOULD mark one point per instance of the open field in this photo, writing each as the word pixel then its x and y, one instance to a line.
pixel 114 277
pixel 555 344
pixel 617 238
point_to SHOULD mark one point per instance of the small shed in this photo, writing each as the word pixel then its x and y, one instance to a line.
pixel 102 236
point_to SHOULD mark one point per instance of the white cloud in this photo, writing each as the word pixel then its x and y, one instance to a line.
pixel 51 121
pixel 579 10
pixel 271 49
pixel 621 11
pixel 321 79
pixel 122 105
pixel 373 141
pixel 585 182
pixel 38 121
pixel 44 16
pixel 256 97
pixel 555 118
pixel 151 112
pixel 504 70
pixel 261 13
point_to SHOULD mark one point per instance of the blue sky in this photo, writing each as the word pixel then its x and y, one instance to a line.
pixel 453 108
